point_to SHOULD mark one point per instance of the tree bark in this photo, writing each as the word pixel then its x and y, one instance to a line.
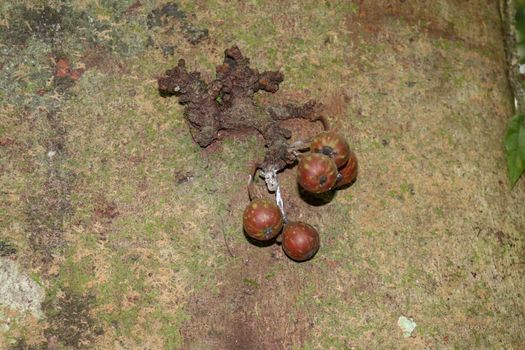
pixel 135 231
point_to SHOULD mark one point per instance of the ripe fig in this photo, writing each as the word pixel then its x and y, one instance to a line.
pixel 316 173
pixel 262 219
pixel 348 172
pixel 300 241
pixel 333 145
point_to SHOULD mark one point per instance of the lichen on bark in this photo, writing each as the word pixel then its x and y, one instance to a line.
pixel 227 103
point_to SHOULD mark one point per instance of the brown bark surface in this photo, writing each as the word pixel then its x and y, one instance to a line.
pixel 134 231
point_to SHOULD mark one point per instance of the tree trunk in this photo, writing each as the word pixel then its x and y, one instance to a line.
pixel 135 232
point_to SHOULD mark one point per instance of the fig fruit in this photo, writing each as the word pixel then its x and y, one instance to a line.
pixel 300 241
pixel 262 219
pixel 333 145
pixel 316 173
pixel 348 172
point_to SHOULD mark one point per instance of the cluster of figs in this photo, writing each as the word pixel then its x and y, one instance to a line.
pixel 329 165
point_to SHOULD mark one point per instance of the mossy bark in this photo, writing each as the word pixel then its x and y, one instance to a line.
pixel 151 234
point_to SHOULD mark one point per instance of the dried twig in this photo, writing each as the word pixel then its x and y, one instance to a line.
pixel 227 245
pixel 227 103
